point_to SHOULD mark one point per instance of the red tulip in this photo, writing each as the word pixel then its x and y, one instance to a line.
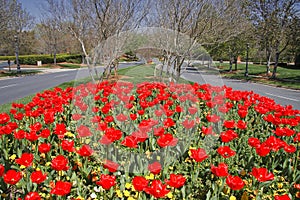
pixel 45 133
pixel 155 167
pixel 44 147
pixel 49 117
pixel 158 113
pixel 85 151
pixel 20 134
pixel 157 189
pixel 263 150
pixel 59 163
pixel 33 196
pixel 290 148
pixel 262 175
pixel 254 142
pixel 130 141
pixel 221 170
pixel 26 159
pixel 19 116
pixel 107 181
pixel 83 131
pixel 4 118
pixel 242 113
pixel 110 136
pixel 111 166
pixel 141 112
pixel 213 118
pixel 280 131
pixel 169 122
pixel 61 188
pixel 60 130
pixel 176 181
pixel 32 136
pixel 36 127
pixel 229 123
pixel 38 177
pixel 133 116
pixel 76 116
pixel 297 137
pixel 2 169
pixel 12 177
pixel 167 140
pixel 297 186
pixel 225 151
pixel 235 182
pixel 121 117
pixel 274 143
pixel 241 125
pixel 282 197
pixel 158 131
pixel 192 110
pixel 228 135
pixel 188 124
pixel 207 130
pixel 199 154
pixel 67 145
pixel 139 183
pixel 140 135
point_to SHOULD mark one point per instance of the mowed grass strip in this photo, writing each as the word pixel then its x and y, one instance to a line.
pixel 288 77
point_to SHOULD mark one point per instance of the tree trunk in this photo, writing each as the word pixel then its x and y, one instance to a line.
pixel 235 64
pixel 230 65
pixel 178 67
pixel 54 56
pixel 87 60
pixel 268 62
pixel 275 65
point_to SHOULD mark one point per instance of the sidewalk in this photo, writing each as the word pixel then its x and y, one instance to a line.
pixel 43 70
pixel 40 71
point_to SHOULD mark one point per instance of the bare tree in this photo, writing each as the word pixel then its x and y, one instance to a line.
pixel 51 35
pixel 13 21
pixel 275 23
pixel 204 21
pixel 93 21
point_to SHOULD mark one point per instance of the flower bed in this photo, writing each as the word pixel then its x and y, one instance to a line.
pixel 121 141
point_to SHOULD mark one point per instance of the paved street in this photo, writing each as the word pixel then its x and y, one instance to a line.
pixel 280 95
pixel 15 88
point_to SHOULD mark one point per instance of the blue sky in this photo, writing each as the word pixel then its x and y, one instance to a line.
pixel 33 7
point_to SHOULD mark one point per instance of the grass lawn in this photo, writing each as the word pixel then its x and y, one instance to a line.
pixel 63 65
pixel 141 73
pixel 288 77
pixel 11 73
pixel 134 74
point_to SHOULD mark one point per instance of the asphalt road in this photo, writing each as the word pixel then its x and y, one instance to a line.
pixel 15 88
pixel 280 95
pixel 12 89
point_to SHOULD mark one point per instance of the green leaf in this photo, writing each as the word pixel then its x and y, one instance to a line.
pixel 208 195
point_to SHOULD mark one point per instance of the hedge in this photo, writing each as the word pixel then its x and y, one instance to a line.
pixel 46 59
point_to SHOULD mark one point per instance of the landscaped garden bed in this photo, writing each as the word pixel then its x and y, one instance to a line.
pixel 119 140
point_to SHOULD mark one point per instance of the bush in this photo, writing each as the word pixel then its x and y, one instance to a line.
pixel 46 59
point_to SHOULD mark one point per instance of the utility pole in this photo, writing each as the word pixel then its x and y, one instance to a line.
pixel 247 59
pixel 17 53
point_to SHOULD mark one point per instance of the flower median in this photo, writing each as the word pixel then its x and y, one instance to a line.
pixel 150 140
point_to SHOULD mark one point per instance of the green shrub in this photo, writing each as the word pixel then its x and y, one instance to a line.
pixel 46 59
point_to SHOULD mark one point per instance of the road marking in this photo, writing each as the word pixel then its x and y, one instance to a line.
pixel 7 86
pixel 61 75
pixel 282 97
